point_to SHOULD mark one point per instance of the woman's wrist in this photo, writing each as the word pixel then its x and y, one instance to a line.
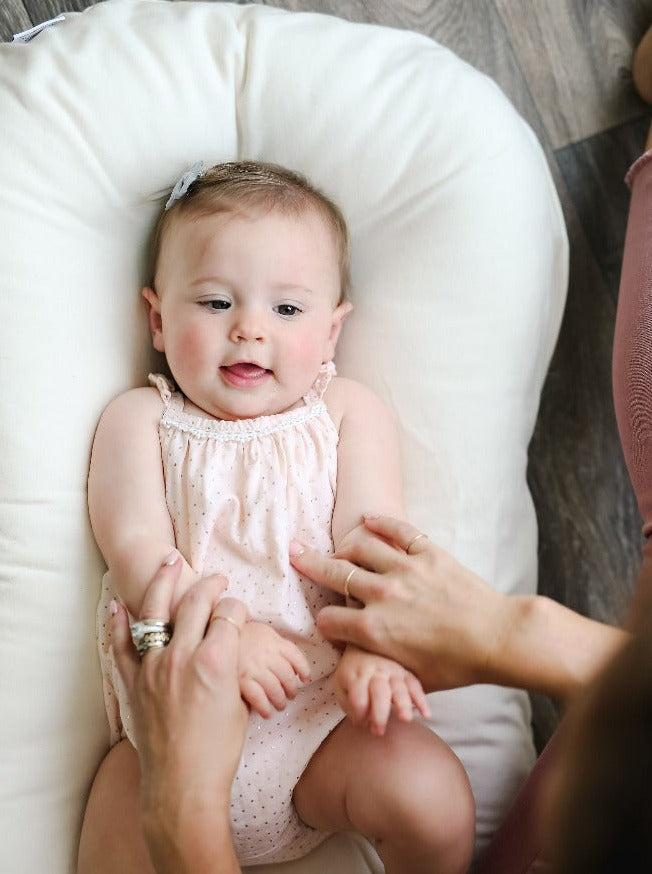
pixel 517 658
pixel 192 837
pixel 545 647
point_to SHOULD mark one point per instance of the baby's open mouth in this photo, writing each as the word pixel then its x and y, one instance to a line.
pixel 244 373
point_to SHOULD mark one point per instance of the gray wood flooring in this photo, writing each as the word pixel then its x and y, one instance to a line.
pixel 565 64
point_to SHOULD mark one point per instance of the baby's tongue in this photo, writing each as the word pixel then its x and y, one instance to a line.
pixel 246 370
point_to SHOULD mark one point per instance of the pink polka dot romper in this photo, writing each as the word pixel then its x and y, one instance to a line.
pixel 237 492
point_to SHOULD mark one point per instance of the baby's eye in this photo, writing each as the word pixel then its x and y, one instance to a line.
pixel 216 304
pixel 287 309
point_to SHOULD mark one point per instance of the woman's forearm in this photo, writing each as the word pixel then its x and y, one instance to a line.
pixel 189 722
pixel 546 647
pixel 198 843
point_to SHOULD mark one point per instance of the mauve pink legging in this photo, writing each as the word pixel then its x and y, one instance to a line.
pixel 515 847
pixel 632 361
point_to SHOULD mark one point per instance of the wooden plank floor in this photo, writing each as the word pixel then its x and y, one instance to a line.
pixel 565 64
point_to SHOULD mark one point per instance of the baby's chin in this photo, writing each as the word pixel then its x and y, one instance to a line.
pixel 243 408
pixel 259 412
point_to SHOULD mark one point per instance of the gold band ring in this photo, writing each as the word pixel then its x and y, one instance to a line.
pixel 412 542
pixel 153 640
pixel 150 634
pixel 346 583
pixel 225 619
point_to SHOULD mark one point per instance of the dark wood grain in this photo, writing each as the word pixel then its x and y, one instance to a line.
pixel 41 10
pixel 576 56
pixel 13 19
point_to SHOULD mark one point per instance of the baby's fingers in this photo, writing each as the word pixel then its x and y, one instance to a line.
pixel 356 699
pixel 380 705
pixel 274 689
pixel 263 691
pixel 255 696
pixel 418 696
pixel 288 678
pixel 402 701
pixel 296 659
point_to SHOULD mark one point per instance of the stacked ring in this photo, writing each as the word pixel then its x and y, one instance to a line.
pixel 150 634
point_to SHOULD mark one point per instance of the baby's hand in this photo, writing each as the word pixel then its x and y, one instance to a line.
pixel 368 687
pixel 270 668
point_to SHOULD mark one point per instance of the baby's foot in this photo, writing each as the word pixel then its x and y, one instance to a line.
pixel 642 67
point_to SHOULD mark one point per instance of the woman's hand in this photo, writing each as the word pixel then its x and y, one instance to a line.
pixel 189 721
pixel 420 607
pixel 439 620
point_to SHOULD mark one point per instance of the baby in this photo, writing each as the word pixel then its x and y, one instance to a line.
pixel 253 443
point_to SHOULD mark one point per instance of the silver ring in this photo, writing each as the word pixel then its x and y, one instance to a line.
pixel 150 634
pixel 414 540
pixel 346 583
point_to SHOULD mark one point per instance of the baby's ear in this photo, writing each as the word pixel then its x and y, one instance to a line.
pixel 153 310
pixel 339 315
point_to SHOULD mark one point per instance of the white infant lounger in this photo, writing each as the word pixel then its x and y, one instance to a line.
pixel 459 278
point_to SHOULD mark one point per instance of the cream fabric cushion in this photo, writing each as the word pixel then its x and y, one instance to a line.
pixel 459 269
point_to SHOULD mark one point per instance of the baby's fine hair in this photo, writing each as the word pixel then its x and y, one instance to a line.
pixel 244 186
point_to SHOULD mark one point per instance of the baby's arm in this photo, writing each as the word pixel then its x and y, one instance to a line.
pixel 126 496
pixel 368 481
pixel 368 457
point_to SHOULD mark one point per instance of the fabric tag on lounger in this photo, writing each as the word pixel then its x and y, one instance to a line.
pixel 27 35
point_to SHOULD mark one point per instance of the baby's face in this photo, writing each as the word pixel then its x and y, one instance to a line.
pixel 246 309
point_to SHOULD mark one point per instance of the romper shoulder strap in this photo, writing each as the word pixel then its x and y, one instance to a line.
pixel 316 391
pixel 171 397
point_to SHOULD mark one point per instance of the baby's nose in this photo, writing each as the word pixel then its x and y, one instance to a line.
pixel 248 324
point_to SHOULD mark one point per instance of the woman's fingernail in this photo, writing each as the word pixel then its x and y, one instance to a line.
pixel 371 515
pixel 172 558
pixel 113 606
pixel 296 548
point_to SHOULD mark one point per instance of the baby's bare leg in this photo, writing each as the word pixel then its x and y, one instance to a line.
pixel 112 837
pixel 406 791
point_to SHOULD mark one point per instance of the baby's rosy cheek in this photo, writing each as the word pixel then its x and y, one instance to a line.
pixel 192 342
pixel 304 350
